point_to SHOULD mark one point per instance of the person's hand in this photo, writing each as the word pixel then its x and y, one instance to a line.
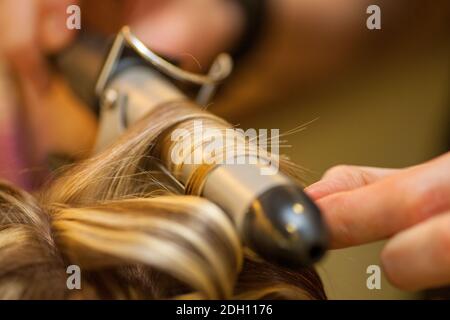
pixel 410 206
pixel 29 29
pixel 195 30
pixel 52 120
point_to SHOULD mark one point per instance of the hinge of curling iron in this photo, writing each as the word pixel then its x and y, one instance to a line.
pixel 219 70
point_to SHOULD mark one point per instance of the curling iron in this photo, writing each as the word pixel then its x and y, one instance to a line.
pixel 274 217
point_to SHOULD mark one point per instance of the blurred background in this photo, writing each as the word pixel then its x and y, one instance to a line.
pixel 385 102
pixel 388 112
pixel 373 97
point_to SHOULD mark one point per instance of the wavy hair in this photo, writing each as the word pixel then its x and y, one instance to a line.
pixel 132 233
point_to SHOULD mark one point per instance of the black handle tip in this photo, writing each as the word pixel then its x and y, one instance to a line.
pixel 283 225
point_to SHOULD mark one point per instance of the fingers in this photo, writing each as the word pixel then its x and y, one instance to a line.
pixel 394 203
pixel 17 24
pixel 346 178
pixel 18 20
pixel 30 28
pixel 19 45
pixel 192 32
pixel 419 257
pixel 53 33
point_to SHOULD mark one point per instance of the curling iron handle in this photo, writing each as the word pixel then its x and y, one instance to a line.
pixel 274 217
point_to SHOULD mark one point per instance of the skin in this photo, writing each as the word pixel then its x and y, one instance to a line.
pixel 50 116
pixel 174 27
pixel 410 207
pixel 31 29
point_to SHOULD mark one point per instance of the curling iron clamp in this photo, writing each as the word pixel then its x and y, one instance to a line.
pixel 273 216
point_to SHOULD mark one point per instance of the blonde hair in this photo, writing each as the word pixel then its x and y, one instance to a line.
pixel 131 232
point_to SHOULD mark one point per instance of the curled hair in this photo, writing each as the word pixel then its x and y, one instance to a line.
pixel 132 233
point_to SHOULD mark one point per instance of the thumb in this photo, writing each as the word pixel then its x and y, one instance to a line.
pixel 388 206
pixel 345 178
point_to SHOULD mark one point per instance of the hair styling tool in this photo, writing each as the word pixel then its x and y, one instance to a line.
pixel 273 216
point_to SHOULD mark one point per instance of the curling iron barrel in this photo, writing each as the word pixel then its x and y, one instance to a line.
pixel 274 217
